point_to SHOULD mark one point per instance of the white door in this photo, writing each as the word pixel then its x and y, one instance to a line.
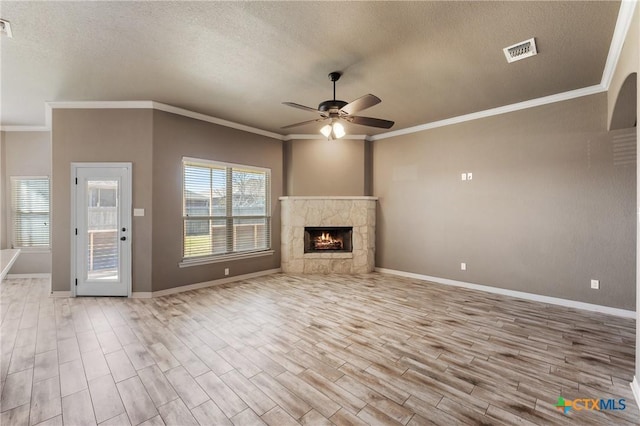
pixel 102 244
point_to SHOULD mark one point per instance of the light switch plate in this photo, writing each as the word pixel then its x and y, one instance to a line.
pixel 464 176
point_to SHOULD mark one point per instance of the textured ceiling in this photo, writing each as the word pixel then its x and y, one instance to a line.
pixel 240 60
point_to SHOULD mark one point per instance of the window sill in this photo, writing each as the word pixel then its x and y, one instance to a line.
pixel 223 258
pixel 29 250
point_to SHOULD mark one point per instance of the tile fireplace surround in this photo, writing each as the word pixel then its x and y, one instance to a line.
pixel 298 212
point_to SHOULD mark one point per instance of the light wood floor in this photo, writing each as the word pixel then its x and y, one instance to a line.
pixel 313 350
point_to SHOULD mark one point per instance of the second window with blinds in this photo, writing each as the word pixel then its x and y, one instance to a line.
pixel 226 210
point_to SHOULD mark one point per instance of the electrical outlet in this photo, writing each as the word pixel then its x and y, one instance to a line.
pixel 463 266
pixel 464 176
pixel 595 284
pixel 226 271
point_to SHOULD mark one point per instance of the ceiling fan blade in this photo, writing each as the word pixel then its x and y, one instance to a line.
pixel 360 104
pixel 371 122
pixel 295 105
pixel 303 123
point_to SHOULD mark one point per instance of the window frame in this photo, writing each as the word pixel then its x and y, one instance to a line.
pixel 13 215
pixel 229 216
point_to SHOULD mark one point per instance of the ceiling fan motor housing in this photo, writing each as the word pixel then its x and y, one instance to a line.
pixel 331 106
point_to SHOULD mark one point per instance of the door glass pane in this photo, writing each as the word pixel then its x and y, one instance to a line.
pixel 103 248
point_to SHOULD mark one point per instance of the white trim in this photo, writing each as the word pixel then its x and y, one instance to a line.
pixel 319 136
pixel 192 161
pixel 159 107
pixel 128 204
pixel 512 293
pixel 24 129
pixel 64 294
pixel 14 255
pixel 147 294
pixel 635 388
pixel 101 105
pixel 214 120
pixel 623 23
pixel 559 97
pixel 18 276
pixel 327 197
pixel 186 263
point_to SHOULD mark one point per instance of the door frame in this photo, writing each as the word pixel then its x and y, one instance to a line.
pixel 127 201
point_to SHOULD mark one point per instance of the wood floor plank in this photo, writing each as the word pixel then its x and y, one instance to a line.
pixel 186 387
pixel 45 400
pixel 312 396
pixel 105 398
pixel 77 409
pixel 209 414
pixel 257 400
pixel 175 413
pixel 136 400
pixel 313 350
pixel 290 402
pixel 45 365
pixel 158 387
pixel 16 416
pixel 120 366
pixel 225 398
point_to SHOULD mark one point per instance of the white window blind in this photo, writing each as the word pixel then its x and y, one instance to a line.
pixel 30 212
pixel 225 208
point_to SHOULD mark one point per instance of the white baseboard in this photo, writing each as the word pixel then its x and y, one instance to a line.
pixel 60 294
pixel 148 295
pixel 39 275
pixel 519 294
pixel 635 388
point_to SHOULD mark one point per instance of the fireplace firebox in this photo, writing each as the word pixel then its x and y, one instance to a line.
pixel 328 239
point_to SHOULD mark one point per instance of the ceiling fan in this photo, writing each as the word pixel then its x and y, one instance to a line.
pixel 336 110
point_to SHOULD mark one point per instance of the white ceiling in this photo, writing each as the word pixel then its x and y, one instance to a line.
pixel 239 61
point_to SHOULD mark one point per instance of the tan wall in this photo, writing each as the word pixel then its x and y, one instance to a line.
pixel 321 167
pixel 24 154
pixel 101 135
pixel 627 63
pixel 174 137
pixel 547 209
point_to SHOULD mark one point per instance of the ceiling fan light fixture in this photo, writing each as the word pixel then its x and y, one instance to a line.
pixel 326 131
pixel 338 130
pixel 332 131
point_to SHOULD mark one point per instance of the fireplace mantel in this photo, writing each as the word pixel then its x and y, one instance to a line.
pixel 298 212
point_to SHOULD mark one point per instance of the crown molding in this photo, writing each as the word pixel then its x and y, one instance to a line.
pixel 623 23
pixel 149 105
pixel 209 119
pixel 318 136
pixel 625 18
pixel 591 90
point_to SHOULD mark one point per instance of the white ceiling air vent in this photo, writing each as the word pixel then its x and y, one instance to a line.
pixel 5 28
pixel 521 50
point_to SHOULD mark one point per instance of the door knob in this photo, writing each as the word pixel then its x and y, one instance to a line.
pixel 123 238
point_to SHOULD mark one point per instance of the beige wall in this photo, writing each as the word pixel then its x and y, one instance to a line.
pixel 627 63
pixel 174 137
pixel 101 135
pixel 321 167
pixel 24 154
pixel 547 209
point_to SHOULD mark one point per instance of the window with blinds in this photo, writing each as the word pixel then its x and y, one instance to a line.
pixel 225 209
pixel 30 212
